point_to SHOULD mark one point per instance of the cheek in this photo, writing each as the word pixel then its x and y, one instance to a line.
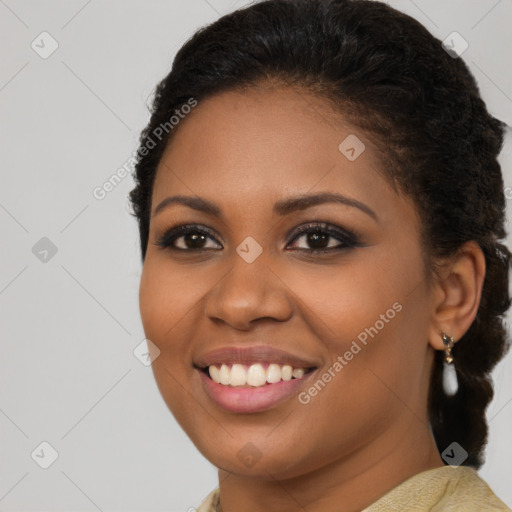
pixel 167 296
pixel 340 302
pixel 166 307
pixel 370 326
pixel 167 301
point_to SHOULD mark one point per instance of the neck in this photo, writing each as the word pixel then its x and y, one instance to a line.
pixel 350 483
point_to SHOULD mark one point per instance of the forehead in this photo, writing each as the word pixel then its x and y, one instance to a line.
pixel 262 144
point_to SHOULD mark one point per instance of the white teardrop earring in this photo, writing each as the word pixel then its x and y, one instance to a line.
pixel 450 383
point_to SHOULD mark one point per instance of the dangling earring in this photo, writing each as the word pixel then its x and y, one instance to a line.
pixel 450 383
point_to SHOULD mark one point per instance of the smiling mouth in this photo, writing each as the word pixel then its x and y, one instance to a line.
pixel 255 375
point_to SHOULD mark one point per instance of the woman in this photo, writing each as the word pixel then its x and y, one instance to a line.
pixel 320 211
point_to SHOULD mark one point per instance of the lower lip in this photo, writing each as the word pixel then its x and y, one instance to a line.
pixel 247 400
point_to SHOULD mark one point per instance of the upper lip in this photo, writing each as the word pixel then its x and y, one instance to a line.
pixel 250 355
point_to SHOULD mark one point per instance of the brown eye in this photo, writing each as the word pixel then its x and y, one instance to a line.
pixel 193 238
pixel 317 237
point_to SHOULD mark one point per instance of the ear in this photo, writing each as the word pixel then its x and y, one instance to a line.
pixel 456 295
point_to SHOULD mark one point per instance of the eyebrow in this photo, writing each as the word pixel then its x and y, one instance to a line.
pixel 282 207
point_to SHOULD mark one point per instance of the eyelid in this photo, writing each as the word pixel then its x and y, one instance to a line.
pixel 326 227
pixel 346 237
pixel 172 234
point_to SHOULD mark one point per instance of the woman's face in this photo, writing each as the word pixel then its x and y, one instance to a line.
pixel 358 313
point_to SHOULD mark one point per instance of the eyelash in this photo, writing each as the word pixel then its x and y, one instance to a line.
pixel 347 238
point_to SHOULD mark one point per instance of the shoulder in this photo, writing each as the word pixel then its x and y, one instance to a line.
pixel 210 503
pixel 444 489
pixel 469 492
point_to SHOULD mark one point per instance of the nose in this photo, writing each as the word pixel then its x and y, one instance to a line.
pixel 249 292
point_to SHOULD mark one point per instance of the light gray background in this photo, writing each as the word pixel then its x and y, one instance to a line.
pixel 68 375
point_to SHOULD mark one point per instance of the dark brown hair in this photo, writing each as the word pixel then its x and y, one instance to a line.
pixel 385 73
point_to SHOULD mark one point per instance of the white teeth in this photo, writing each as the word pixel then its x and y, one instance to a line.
pixel 286 372
pixel 214 373
pixel 298 373
pixel 224 375
pixel 238 376
pixel 273 373
pixel 254 375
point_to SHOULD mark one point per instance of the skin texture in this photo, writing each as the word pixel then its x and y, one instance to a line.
pixel 367 430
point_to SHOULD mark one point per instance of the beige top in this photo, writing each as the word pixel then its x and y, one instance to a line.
pixel 444 489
